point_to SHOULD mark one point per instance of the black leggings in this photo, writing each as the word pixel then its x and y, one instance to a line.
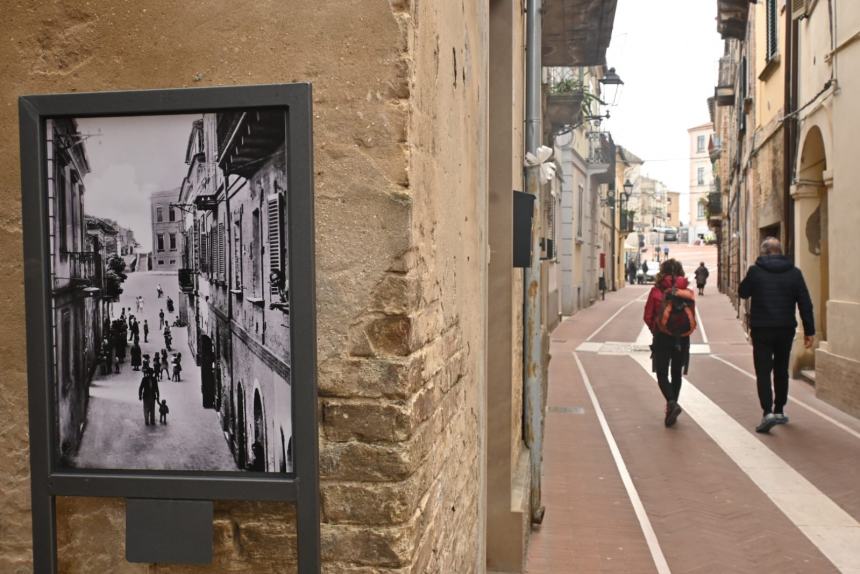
pixel 668 356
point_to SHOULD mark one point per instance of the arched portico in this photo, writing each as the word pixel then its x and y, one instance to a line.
pixel 810 195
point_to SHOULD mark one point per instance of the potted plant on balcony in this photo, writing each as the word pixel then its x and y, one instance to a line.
pixel 567 101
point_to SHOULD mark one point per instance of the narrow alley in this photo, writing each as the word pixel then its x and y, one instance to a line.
pixel 625 494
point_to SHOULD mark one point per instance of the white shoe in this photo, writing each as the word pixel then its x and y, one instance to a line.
pixel 767 422
pixel 781 419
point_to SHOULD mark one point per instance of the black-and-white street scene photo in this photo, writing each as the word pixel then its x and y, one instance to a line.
pixel 170 291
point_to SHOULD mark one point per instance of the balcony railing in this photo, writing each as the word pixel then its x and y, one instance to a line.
pixel 85 268
pixel 600 149
pixel 715 204
pixel 725 91
pixel 186 280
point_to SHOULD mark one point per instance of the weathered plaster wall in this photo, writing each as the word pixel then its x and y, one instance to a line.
pixel 400 208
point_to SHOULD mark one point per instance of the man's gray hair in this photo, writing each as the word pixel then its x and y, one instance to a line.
pixel 771 246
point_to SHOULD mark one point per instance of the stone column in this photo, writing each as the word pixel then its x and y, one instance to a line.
pixel 807 257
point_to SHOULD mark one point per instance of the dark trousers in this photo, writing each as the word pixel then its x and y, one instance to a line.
pixel 669 359
pixel 771 351
pixel 149 411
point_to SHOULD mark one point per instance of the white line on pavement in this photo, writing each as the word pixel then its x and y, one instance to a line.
pixel 614 315
pixel 829 527
pixel 632 493
pixel 701 325
pixel 645 337
pixel 810 408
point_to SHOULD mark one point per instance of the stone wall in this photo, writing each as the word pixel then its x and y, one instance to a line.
pixel 400 215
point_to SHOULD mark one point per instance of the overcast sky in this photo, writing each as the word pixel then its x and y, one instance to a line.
pixel 666 52
pixel 131 157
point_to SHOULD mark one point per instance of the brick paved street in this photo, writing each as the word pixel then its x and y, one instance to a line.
pixel 708 495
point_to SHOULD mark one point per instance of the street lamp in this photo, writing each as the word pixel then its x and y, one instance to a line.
pixel 628 189
pixel 611 83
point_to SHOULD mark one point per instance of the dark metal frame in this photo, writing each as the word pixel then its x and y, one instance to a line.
pixel 48 480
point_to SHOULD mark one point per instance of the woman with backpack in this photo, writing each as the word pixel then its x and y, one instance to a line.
pixel 670 314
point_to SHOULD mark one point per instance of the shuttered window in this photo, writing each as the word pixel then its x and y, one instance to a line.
pixel 222 264
pixel 275 236
pixel 772 29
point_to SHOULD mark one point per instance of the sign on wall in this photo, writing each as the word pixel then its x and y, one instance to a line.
pixel 170 299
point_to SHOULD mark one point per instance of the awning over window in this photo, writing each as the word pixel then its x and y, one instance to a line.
pixel 577 32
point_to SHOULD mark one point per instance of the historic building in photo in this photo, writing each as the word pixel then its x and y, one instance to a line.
pixel 76 290
pixel 166 237
pixel 234 279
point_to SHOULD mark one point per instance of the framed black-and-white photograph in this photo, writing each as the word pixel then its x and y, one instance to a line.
pixel 170 292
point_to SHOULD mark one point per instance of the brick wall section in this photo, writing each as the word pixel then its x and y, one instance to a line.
pixel 400 150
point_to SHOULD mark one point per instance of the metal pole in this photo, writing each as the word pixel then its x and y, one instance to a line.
pixel 533 330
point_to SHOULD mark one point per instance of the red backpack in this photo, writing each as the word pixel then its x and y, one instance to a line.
pixel 677 316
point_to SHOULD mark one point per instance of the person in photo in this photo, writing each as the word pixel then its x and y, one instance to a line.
pixel 701 274
pixel 169 304
pixel 135 357
pixel 145 331
pixel 670 316
pixel 163 409
pixel 159 291
pixel 149 394
pixel 177 366
pixel 156 366
pixel 161 319
pixel 777 290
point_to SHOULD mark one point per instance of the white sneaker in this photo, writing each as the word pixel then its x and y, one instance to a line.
pixel 766 423
pixel 781 419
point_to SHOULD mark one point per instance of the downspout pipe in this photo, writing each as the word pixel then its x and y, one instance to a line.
pixel 533 360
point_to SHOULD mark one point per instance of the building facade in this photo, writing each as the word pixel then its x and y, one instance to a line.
pixel 233 281
pixel 77 266
pixel 701 181
pixel 166 236
pixel 782 161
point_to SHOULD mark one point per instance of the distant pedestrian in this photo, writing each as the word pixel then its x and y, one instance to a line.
pixel 159 290
pixel 164 364
pixel 169 304
pixel 140 304
pixel 631 271
pixel 259 461
pixel 670 316
pixel 168 338
pixel 644 271
pixel 777 289
pixel 135 357
pixel 156 366
pixel 161 319
pixel 162 412
pixel 106 355
pixel 145 331
pixel 133 327
pixel 148 393
pixel 701 277
pixel 146 365
pixel 177 366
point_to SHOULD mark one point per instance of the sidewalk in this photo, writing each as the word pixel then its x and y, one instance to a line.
pixel 625 494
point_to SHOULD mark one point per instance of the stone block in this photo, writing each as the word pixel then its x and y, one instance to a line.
pixel 393 378
pixel 366 421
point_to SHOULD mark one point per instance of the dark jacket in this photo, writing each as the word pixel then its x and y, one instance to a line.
pixel 148 390
pixel 702 275
pixel 777 288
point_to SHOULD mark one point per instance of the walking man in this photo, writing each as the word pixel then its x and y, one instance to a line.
pixel 701 277
pixel 148 393
pixel 631 271
pixel 145 331
pixel 161 319
pixel 777 288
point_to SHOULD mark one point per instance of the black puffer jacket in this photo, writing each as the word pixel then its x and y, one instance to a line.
pixel 777 288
